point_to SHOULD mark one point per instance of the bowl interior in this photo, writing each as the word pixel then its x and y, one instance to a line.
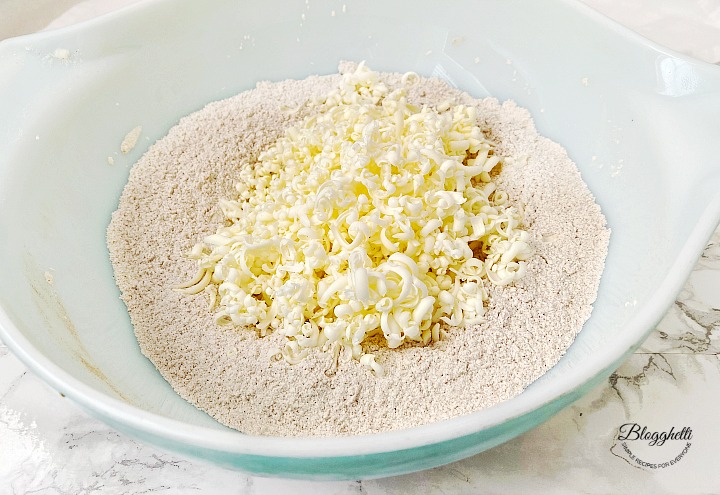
pixel 632 117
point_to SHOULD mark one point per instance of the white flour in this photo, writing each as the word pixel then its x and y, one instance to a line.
pixel 170 202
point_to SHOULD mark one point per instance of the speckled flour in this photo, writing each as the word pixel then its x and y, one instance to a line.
pixel 170 202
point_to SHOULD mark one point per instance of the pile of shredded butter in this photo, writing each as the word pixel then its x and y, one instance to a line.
pixel 371 216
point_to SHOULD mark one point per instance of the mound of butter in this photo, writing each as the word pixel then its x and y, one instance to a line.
pixel 372 216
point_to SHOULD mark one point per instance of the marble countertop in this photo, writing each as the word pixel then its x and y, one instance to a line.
pixel 49 446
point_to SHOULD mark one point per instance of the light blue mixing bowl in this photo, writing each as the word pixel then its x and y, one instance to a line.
pixel 642 123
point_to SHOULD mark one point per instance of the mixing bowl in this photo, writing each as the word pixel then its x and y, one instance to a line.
pixel 642 123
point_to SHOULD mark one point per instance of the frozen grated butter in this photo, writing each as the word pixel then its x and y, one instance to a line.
pixel 371 216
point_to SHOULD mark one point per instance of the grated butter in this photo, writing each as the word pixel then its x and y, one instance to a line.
pixel 370 217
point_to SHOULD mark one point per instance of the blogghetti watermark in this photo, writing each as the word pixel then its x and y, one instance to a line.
pixel 653 449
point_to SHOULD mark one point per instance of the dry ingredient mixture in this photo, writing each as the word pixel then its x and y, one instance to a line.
pixel 397 372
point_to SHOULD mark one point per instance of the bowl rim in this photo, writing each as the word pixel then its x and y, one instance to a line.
pixel 140 420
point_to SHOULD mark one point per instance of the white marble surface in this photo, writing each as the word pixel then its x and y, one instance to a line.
pixel 49 446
